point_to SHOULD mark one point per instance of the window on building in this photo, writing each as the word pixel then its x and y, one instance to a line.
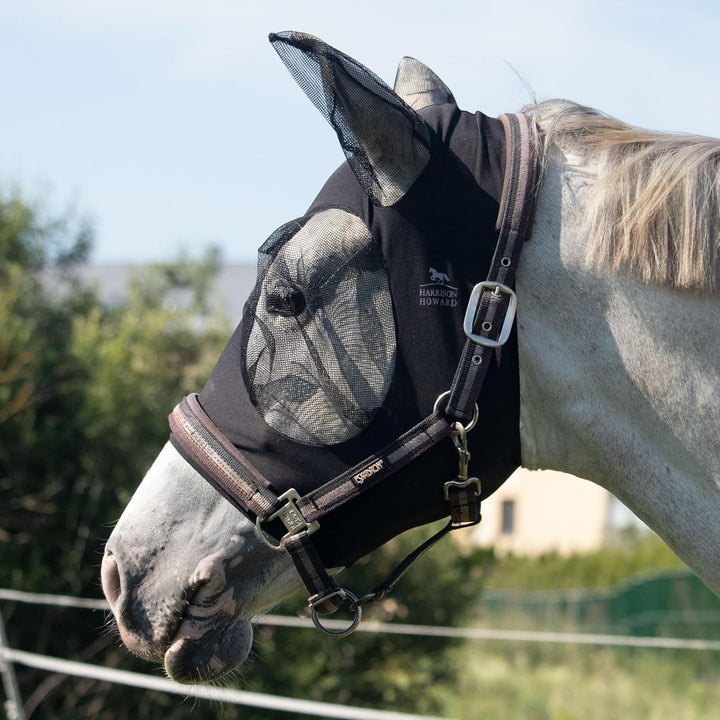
pixel 508 517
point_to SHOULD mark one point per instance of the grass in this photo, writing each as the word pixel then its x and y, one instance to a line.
pixel 509 682
pixel 529 681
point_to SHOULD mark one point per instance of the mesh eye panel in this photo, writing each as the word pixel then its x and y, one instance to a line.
pixel 320 334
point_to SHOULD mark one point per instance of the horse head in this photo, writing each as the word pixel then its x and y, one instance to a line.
pixel 344 346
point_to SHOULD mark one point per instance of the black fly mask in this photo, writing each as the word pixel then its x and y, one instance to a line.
pixel 355 326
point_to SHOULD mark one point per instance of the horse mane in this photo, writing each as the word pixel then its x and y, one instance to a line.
pixel 655 210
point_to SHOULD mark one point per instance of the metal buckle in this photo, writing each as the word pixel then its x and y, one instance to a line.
pixel 461 484
pixel 290 516
pixel 472 307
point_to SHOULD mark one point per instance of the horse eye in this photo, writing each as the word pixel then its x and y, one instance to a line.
pixel 285 299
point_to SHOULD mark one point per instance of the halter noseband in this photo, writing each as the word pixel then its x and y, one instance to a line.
pixel 491 305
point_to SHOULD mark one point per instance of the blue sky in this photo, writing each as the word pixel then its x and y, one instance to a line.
pixel 173 125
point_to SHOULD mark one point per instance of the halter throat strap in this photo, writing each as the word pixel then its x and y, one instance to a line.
pixel 488 322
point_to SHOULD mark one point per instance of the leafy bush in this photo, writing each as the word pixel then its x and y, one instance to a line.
pixel 605 567
pixel 85 391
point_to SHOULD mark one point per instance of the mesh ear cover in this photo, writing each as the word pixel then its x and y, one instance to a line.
pixel 320 348
pixel 387 144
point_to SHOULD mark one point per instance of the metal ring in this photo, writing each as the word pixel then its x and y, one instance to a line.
pixel 476 413
pixel 341 632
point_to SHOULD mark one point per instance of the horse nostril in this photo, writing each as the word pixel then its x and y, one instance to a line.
pixel 110 577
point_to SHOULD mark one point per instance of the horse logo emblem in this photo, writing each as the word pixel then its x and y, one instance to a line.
pixel 438 277
pixel 438 292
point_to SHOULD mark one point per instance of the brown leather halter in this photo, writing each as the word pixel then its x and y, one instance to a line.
pixel 488 322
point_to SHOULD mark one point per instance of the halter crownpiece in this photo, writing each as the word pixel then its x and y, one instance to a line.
pixel 488 320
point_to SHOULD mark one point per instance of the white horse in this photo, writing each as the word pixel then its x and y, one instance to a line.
pixel 618 341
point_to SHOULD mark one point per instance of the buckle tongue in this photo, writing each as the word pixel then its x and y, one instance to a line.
pixel 290 516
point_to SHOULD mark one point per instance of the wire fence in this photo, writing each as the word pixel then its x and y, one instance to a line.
pixel 438 631
pixel 217 694
pixel 13 705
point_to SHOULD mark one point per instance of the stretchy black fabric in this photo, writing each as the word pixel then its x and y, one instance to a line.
pixel 445 222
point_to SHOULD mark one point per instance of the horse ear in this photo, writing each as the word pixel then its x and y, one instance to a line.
pixel 385 141
pixel 419 86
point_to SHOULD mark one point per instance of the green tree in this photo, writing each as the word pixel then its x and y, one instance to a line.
pixel 85 391
pixel 38 375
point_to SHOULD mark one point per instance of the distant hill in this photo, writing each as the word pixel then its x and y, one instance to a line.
pixel 234 284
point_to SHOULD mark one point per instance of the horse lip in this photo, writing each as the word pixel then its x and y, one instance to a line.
pixel 154 646
pixel 207 642
pixel 186 599
pixel 210 655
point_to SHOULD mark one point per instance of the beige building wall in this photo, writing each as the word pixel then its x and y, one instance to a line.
pixel 536 512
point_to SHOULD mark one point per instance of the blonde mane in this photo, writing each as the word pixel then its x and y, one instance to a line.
pixel 656 205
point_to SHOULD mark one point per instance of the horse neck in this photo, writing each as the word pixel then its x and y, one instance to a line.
pixel 619 380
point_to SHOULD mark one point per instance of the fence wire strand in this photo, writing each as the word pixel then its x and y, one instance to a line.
pixel 532 636
pixel 309 707
pixel 207 692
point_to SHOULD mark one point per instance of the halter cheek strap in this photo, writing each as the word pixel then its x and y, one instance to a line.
pixel 488 322
pixel 491 310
